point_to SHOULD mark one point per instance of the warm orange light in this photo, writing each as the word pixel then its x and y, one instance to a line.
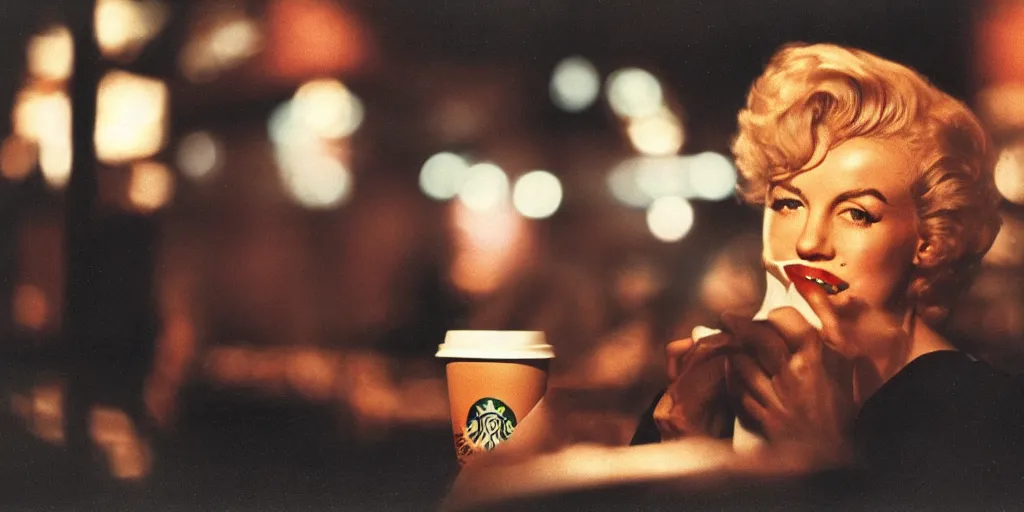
pixel 17 158
pixel 489 246
pixel 151 186
pixel 1000 44
pixel 312 374
pixel 30 307
pixel 313 37
pixel 131 114
pixel 113 432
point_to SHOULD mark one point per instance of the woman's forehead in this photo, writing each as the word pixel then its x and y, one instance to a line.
pixel 859 163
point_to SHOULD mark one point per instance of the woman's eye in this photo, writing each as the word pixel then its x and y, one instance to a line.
pixel 860 216
pixel 785 204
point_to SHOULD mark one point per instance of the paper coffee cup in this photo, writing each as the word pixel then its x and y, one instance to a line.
pixel 495 378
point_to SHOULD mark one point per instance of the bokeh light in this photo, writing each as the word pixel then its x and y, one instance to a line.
pixel 670 218
pixel 485 188
pixel 131 114
pixel 51 54
pixel 443 175
pixel 712 176
pixel 1008 247
pixel 662 176
pixel 229 41
pixel 307 132
pixel 1009 173
pixel 734 279
pixel 151 186
pixel 30 307
pixel 537 194
pixel 199 155
pixel 42 116
pixel 17 157
pixel 634 92
pixel 657 134
pixel 489 246
pixel 1003 105
pixel 575 84
pixel 235 40
pixel 624 185
pixel 45 119
pixel 127 456
pixel 123 27
pixel 328 108
pixel 316 181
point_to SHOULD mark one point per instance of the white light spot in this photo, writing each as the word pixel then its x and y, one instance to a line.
pixel 633 92
pixel 537 194
pixel 328 108
pixel 659 134
pixel 45 118
pixel 316 181
pixel 662 176
pixel 282 126
pixel 443 175
pixel 670 218
pixel 486 188
pixel 51 54
pixel 199 155
pixel 575 84
pixel 1009 174
pixel 624 184
pixel 55 163
pixel 712 176
pixel 131 113
pixel 123 27
pixel 235 40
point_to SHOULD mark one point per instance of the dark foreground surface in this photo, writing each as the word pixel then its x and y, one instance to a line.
pixel 231 453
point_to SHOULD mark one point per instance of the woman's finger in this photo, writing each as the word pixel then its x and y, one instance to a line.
pixel 675 351
pixel 751 409
pixel 830 326
pixel 794 329
pixel 752 380
pixel 771 350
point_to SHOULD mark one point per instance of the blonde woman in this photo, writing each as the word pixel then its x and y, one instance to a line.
pixel 877 191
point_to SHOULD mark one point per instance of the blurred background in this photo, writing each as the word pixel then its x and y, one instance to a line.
pixel 233 232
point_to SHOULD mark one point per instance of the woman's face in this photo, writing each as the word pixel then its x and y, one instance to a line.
pixel 852 216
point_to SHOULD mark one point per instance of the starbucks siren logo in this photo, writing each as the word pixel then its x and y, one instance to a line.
pixel 489 423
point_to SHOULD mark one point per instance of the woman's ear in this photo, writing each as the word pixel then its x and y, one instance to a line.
pixel 926 255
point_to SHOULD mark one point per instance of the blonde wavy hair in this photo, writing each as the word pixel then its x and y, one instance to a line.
pixel 812 98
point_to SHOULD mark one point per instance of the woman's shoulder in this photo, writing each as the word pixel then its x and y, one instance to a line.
pixel 946 375
pixel 948 384
pixel 944 412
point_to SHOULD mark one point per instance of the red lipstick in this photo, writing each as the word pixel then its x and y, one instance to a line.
pixel 823 278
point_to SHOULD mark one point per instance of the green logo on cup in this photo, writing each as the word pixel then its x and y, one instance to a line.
pixel 489 423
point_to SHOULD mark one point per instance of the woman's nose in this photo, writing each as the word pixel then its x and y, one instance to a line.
pixel 815 243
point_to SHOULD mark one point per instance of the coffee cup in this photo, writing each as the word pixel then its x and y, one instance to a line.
pixel 495 378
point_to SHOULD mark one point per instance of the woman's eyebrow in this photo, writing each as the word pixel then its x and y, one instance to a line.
pixel 861 192
pixel 790 188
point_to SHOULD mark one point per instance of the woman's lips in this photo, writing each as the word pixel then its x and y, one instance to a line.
pixel 828 281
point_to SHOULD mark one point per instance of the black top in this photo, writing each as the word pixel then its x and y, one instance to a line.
pixel 943 423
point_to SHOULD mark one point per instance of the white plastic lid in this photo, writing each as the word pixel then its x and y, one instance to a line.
pixel 495 345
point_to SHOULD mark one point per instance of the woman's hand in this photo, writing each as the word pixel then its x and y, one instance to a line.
pixel 796 383
pixel 694 403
